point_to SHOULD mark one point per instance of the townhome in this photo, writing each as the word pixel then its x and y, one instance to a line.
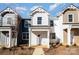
pixel 9 27
pixel 41 29
pixel 67 26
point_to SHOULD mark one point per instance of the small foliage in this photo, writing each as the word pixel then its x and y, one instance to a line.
pixel 61 44
pixel 67 45
pixel 74 45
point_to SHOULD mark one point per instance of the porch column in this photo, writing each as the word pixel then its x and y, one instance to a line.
pixel 69 36
pixel 9 38
pixel 48 39
pixel 29 37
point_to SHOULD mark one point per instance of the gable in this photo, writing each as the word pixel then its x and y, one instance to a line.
pixel 7 10
pixel 6 13
pixel 39 10
pixel 69 8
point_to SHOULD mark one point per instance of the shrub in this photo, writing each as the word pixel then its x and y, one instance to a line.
pixel 30 48
pixel 67 45
pixel 74 45
pixel 10 49
pixel 61 44
pixel 4 48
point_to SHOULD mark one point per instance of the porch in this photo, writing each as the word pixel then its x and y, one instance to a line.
pixel 39 37
pixel 71 35
pixel 7 37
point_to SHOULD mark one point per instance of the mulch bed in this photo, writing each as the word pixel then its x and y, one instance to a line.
pixel 20 50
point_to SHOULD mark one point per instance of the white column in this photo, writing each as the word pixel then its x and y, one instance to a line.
pixel 62 36
pixel 9 38
pixel 16 39
pixel 69 36
pixel 48 39
pixel 29 37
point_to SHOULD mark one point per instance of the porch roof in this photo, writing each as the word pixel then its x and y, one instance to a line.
pixel 40 27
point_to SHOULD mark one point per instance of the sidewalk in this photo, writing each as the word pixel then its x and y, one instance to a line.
pixel 38 51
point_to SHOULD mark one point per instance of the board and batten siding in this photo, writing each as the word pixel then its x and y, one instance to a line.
pixel 59 28
pixel 13 20
pixel 45 20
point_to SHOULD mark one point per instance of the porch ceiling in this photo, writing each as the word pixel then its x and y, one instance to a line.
pixel 75 26
pixel 71 26
pixel 40 29
pixel 5 28
pixel 43 34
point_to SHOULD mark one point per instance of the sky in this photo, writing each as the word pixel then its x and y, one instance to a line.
pixel 24 9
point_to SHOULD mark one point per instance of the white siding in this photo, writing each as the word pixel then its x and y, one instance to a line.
pixel 0 20
pixel 13 20
pixel 34 40
pixel 44 19
pixel 10 41
pixel 43 32
pixel 59 28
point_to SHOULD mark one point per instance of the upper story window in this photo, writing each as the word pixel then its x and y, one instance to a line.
pixel 39 20
pixel 8 20
pixel 26 24
pixel 70 17
pixel 51 23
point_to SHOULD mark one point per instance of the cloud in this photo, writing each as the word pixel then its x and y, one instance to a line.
pixel 53 6
pixel 58 13
pixel 21 9
pixel 34 7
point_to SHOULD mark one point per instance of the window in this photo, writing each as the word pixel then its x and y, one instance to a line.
pixel 39 20
pixel 70 17
pixel 52 35
pixel 25 36
pixel 8 20
pixel 26 24
pixel 51 23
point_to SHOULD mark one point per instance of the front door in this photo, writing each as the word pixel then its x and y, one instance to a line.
pixel 72 38
pixel 39 39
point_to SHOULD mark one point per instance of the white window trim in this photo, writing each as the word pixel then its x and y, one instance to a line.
pixel 72 17
pixel 41 21
pixel 22 35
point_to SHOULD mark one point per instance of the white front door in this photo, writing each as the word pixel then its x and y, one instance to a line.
pixel 72 38
pixel 39 39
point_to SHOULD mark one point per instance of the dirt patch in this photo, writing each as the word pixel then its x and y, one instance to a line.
pixel 20 50
pixel 62 50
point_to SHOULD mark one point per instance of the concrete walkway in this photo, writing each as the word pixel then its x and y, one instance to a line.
pixel 38 51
